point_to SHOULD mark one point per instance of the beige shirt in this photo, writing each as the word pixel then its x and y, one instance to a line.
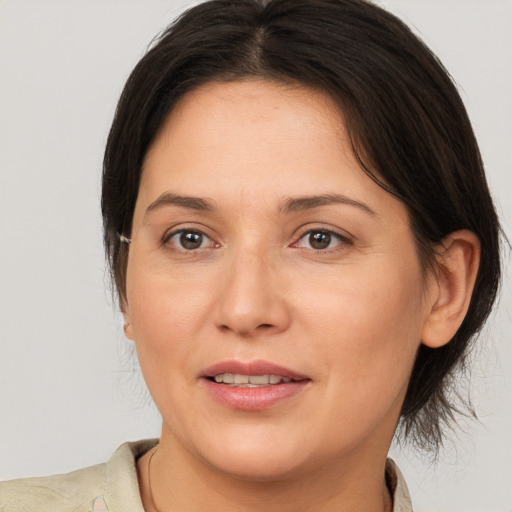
pixel 113 487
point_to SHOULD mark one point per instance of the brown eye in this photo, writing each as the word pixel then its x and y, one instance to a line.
pixel 319 240
pixel 189 240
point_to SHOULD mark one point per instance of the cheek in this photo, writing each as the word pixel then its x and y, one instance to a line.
pixel 161 298
pixel 167 314
pixel 166 319
pixel 368 325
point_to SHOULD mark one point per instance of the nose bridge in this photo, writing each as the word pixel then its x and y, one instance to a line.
pixel 251 299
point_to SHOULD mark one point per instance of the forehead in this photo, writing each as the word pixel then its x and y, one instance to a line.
pixel 254 139
pixel 230 123
pixel 235 116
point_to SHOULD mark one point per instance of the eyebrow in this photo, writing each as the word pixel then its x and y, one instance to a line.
pixel 172 199
pixel 291 204
pixel 294 204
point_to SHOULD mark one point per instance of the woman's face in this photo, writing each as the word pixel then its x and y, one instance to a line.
pixel 261 248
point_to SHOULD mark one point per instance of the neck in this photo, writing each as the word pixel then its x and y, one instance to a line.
pixel 172 479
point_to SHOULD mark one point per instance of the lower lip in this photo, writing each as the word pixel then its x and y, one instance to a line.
pixel 254 399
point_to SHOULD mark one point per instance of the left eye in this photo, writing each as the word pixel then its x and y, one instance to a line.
pixel 319 240
pixel 190 240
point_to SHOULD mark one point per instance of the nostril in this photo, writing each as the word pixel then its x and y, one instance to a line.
pixel 247 332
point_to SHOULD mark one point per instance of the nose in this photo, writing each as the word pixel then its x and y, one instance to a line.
pixel 252 297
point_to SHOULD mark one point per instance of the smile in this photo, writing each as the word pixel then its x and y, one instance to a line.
pixel 250 381
pixel 253 386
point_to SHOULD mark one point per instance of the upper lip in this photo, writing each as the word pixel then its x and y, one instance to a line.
pixel 252 368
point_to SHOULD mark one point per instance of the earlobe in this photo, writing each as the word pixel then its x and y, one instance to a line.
pixel 127 326
pixel 458 261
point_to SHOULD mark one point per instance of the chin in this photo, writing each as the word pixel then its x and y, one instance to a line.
pixel 248 456
pixel 262 467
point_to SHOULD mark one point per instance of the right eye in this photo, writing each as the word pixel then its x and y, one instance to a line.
pixel 189 240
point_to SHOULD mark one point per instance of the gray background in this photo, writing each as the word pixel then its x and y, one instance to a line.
pixel 70 391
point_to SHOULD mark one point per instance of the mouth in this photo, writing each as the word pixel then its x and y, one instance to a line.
pixel 253 386
pixel 250 381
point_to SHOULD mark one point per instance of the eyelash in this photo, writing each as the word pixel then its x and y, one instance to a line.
pixel 167 238
pixel 341 239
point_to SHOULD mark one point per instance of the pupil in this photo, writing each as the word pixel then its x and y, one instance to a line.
pixel 319 240
pixel 191 240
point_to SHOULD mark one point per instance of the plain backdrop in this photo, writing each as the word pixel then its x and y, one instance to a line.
pixel 70 391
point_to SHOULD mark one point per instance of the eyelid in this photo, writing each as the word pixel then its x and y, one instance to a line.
pixel 175 230
pixel 344 238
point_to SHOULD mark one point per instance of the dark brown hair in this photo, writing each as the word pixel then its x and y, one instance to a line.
pixel 408 126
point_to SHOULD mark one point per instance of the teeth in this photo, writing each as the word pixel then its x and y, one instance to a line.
pixel 236 379
pixel 259 379
pixel 228 378
pixel 241 379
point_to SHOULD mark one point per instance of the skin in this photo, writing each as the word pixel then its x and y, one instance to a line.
pixel 350 317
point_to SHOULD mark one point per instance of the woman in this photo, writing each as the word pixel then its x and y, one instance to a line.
pixel 303 243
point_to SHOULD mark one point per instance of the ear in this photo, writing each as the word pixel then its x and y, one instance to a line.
pixel 127 327
pixel 458 261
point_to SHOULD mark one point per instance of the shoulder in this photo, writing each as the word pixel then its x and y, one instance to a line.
pixel 90 489
pixel 398 488
pixel 72 491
